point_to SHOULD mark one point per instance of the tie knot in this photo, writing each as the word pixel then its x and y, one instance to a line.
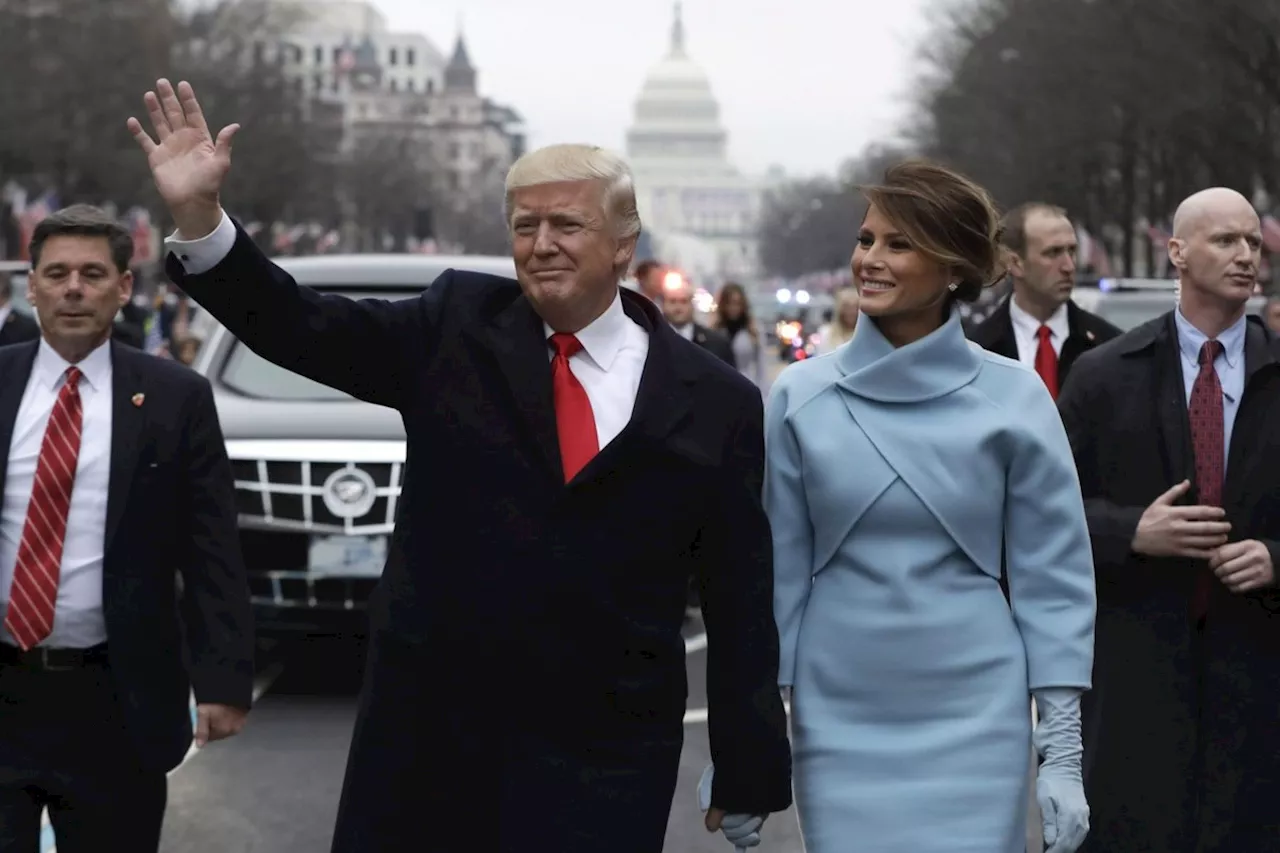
pixel 1044 333
pixel 565 345
pixel 1209 351
pixel 73 375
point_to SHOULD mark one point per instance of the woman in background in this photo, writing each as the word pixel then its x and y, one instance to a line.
pixel 843 320
pixel 900 473
pixel 733 318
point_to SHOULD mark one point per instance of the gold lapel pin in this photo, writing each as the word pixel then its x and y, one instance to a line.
pixel 138 398
pixel 1089 335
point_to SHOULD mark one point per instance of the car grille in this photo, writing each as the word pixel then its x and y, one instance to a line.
pixel 333 495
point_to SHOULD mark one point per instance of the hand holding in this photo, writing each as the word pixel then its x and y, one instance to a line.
pixel 1243 566
pixel 187 163
pixel 1169 530
pixel 215 722
pixel 740 830
pixel 1063 811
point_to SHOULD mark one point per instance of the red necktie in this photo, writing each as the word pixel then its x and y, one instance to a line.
pixel 1047 361
pixel 575 422
pixel 1207 428
pixel 36 571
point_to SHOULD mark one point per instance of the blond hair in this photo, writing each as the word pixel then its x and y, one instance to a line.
pixel 564 163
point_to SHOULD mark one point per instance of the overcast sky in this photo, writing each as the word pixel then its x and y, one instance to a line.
pixel 801 83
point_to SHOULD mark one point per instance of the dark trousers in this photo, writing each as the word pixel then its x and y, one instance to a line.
pixel 64 747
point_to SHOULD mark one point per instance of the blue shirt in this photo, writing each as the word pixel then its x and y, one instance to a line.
pixel 1229 366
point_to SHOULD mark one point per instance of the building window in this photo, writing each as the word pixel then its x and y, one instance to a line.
pixel 337 55
pixel 319 55
pixel 431 87
pixel 393 57
pixel 410 57
pixel 411 85
pixel 395 87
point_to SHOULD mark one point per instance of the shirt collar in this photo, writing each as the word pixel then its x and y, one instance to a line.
pixel 1059 325
pixel 95 368
pixel 602 338
pixel 1190 339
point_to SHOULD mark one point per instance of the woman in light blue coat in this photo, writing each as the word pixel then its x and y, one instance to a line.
pixel 904 473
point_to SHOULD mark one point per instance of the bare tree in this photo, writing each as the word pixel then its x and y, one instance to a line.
pixel 1114 108
pixel 385 179
pixel 233 55
pixel 811 225
pixel 73 70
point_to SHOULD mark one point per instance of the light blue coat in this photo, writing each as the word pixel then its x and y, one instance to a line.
pixel 896 480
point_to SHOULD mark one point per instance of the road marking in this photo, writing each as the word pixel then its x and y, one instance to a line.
pixel 695 716
pixel 261 685
pixel 696 643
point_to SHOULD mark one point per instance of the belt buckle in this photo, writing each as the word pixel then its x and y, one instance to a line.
pixel 48 666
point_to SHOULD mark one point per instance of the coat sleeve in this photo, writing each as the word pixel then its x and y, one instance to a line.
pixel 1050 565
pixel 1111 526
pixel 368 348
pixel 788 510
pixel 216 610
pixel 747 725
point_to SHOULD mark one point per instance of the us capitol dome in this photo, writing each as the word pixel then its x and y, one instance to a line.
pixel 700 211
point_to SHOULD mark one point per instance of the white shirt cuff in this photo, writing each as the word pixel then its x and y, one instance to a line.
pixel 202 255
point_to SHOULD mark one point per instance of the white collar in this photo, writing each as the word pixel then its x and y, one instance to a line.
pixel 50 368
pixel 602 338
pixel 1059 325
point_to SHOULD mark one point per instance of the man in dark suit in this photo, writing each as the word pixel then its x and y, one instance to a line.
pixel 1173 426
pixel 650 276
pixel 15 326
pixel 572 461
pixel 1039 324
pixel 677 306
pixel 115 482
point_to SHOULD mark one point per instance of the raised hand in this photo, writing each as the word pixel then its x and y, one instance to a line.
pixel 187 163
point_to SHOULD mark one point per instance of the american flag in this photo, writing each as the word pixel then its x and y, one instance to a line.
pixel 30 216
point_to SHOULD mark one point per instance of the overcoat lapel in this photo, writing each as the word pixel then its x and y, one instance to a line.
pixel 516 339
pixel 13 383
pixel 128 420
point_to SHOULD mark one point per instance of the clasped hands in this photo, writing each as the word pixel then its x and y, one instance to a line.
pixel 1168 529
pixel 740 830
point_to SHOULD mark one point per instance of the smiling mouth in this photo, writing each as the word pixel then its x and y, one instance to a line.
pixel 876 286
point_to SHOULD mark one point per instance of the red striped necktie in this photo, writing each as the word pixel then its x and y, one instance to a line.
pixel 36 573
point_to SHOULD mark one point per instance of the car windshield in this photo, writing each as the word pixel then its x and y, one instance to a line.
pixel 247 373
pixel 1126 314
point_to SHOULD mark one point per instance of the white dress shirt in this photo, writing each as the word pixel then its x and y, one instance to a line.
pixel 78 620
pixel 1026 331
pixel 5 310
pixel 685 331
pixel 609 365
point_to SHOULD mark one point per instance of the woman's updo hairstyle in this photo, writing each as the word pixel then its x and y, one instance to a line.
pixel 947 217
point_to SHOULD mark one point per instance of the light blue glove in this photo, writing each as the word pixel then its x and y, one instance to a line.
pixel 1060 786
pixel 741 830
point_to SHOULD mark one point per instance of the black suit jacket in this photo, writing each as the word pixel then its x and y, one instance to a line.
pixel 1085 331
pixel 1126 415
pixel 17 328
pixel 527 676
pixel 714 342
pixel 170 513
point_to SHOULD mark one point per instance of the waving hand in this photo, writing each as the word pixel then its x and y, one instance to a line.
pixel 187 162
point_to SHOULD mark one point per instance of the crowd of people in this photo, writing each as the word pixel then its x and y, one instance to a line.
pixel 901 542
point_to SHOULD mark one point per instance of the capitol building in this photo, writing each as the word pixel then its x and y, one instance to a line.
pixel 700 212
